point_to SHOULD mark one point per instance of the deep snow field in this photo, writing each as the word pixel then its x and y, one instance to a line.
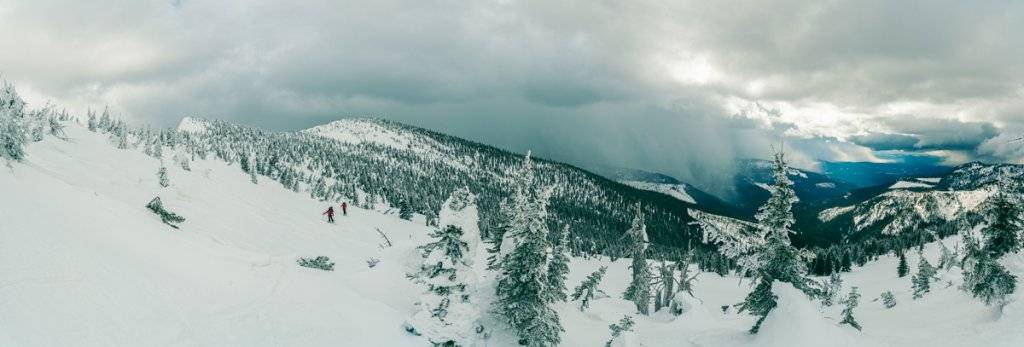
pixel 84 263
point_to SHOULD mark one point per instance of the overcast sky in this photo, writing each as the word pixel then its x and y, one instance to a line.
pixel 681 87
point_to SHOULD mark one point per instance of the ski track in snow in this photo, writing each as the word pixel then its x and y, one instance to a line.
pixel 83 263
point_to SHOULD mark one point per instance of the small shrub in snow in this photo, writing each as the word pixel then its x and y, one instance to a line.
pixel 888 300
pixel 161 176
pixel 851 303
pixel 624 325
pixel 168 217
pixel 586 290
pixel 830 289
pixel 320 262
pixel 372 262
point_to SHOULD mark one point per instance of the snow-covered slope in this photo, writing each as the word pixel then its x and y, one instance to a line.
pixel 934 202
pixel 83 263
pixel 677 191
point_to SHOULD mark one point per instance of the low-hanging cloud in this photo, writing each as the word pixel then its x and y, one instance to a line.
pixel 683 87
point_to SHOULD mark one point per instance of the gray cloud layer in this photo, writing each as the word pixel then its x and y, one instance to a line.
pixel 681 87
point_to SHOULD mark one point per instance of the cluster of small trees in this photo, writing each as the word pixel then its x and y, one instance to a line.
pixel 20 126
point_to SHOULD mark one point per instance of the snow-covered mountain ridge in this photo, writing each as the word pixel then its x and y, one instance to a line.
pixel 952 201
pixel 373 161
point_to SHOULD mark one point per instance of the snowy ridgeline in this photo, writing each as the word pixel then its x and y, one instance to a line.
pixel 677 191
pixel 85 263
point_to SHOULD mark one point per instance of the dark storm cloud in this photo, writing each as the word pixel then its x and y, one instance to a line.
pixel 886 142
pixel 646 84
pixel 943 133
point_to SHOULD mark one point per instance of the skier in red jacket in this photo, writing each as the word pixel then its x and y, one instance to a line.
pixel 330 214
pixel 344 208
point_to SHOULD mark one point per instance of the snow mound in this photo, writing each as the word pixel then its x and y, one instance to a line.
pixel 796 313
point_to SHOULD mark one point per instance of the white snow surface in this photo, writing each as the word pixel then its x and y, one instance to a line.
pixel 910 184
pixel 83 263
pixel 677 191
pixel 932 180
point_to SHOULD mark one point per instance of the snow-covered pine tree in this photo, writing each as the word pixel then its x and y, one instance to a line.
pixel 56 128
pixel 851 303
pixel 522 290
pixel 13 125
pixel 776 259
pixel 558 268
pixel 37 126
pixel 161 176
pixel 404 209
pixel 447 315
pixel 902 269
pixel 92 120
pixel 947 258
pixel 122 137
pixel 1002 232
pixel 618 329
pixel 922 280
pixel 984 277
pixel 639 290
pixel 586 291
pixel 989 281
pixel 502 223
pixel 888 299
pixel 105 121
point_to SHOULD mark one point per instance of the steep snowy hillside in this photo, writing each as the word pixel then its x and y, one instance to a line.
pixel 936 204
pixel 84 263
pixel 394 164
pixel 677 191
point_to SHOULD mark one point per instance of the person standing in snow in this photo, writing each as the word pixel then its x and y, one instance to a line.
pixel 344 208
pixel 330 214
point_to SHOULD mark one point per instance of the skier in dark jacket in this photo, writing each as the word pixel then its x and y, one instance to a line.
pixel 344 208
pixel 330 214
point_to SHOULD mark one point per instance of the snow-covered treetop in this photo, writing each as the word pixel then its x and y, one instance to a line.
pixel 777 213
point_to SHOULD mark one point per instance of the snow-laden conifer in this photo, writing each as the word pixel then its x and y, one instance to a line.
pixel 558 268
pixel 522 290
pixel 13 124
pixel 921 281
pixel 851 302
pixel 587 290
pixel 773 257
pixel 639 289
